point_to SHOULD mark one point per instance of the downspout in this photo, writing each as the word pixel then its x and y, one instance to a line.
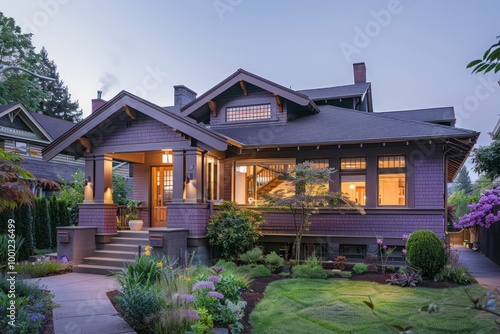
pixel 445 193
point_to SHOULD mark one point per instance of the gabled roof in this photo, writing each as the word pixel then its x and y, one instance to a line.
pixel 327 93
pixel 53 125
pixel 432 115
pixel 40 134
pixel 342 126
pixel 50 170
pixel 116 104
pixel 253 79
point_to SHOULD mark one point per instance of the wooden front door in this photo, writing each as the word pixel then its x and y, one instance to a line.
pixel 162 189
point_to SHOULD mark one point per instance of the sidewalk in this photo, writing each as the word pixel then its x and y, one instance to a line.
pixel 485 271
pixel 83 304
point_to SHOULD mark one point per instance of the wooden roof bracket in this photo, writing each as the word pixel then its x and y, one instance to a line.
pixel 278 102
pixel 213 107
pixel 130 113
pixel 243 87
pixel 86 144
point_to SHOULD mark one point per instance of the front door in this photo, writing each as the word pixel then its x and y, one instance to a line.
pixel 162 190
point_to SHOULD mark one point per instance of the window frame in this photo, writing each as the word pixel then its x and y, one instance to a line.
pixel 354 172
pixel 393 170
pixel 234 121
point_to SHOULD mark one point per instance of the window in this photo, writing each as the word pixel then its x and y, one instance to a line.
pixel 248 113
pixel 353 251
pixel 318 163
pixel 319 188
pixel 392 180
pixel 22 147
pixel 353 179
pixel 254 178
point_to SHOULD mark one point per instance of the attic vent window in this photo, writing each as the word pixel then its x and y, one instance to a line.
pixel 248 113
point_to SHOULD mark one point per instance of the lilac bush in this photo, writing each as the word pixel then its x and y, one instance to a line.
pixel 481 213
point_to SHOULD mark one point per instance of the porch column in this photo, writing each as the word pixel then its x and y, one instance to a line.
pixel 90 180
pixel 178 191
pixel 103 187
pixel 194 171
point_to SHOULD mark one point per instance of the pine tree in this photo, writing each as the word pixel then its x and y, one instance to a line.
pixel 463 181
pixel 59 103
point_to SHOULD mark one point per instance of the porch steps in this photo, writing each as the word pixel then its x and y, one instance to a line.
pixel 121 250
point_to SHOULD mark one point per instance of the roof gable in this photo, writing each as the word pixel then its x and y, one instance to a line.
pixel 99 121
pixel 17 122
pixel 246 77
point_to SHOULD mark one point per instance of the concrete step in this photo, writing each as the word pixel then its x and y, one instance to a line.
pixel 107 261
pixel 134 234
pixel 95 269
pixel 123 247
pixel 115 254
pixel 129 241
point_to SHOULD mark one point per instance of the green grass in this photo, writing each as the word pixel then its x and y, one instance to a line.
pixel 42 268
pixel 336 306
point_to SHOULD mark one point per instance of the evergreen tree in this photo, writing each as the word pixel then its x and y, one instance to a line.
pixel 54 219
pixel 463 181
pixel 59 103
pixel 42 224
pixel 24 228
pixel 16 49
pixel 5 215
pixel 63 212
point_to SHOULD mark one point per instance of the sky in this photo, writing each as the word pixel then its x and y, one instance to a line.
pixel 415 52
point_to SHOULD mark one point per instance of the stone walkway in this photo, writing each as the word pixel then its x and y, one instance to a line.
pixel 486 272
pixel 83 304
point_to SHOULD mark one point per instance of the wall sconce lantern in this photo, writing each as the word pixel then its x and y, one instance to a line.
pixel 167 157
pixel 88 180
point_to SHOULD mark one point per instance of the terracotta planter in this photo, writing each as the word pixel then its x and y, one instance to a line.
pixel 135 225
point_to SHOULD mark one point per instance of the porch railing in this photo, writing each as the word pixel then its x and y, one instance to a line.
pixel 121 219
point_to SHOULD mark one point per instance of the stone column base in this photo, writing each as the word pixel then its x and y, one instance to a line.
pixel 102 216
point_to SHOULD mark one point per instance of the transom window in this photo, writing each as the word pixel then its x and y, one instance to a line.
pixel 318 163
pixel 397 161
pixel 352 163
pixel 247 113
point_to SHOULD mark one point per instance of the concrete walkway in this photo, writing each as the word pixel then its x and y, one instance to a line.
pixel 84 306
pixel 486 272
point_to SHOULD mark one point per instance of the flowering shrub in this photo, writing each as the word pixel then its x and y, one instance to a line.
pixel 481 213
pixel 384 253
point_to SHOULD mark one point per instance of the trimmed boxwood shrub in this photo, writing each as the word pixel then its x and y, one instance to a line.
pixel 305 271
pixel 252 256
pixel 233 231
pixel 425 251
pixel 360 268
pixel 254 270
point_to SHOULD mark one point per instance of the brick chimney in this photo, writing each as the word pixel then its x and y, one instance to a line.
pixel 97 103
pixel 183 95
pixel 359 72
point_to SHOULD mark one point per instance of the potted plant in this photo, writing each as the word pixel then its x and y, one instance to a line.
pixel 134 221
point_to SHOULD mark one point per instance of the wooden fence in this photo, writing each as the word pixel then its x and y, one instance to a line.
pixel 488 242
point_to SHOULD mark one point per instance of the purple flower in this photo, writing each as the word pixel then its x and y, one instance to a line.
pixel 39 306
pixel 215 294
pixel 405 236
pixel 188 313
pixel 404 251
pixel 189 298
pixel 380 241
pixel 384 246
pixel 215 279
pixel 35 316
pixel 204 285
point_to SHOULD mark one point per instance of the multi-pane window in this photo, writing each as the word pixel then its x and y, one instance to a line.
pixel 392 180
pixel 247 113
pixel 352 164
pixel 168 184
pixel 319 188
pixel 353 179
pixel 318 163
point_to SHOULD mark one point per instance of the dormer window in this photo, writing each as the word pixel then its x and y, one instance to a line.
pixel 248 113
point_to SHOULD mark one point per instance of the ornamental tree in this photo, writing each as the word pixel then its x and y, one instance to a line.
pixel 483 213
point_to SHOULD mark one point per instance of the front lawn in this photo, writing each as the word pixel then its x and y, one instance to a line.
pixel 336 306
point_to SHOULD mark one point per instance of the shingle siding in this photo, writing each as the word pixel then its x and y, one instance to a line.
pixel 429 181
pixel 143 130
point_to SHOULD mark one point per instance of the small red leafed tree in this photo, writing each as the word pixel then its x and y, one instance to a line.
pixel 17 183
pixel 310 193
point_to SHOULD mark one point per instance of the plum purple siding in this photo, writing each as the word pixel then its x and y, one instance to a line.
pixel 429 181
pixel 330 224
pixel 102 216
pixel 194 217
pixel 143 130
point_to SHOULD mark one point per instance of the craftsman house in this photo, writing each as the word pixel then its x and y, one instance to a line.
pixel 228 143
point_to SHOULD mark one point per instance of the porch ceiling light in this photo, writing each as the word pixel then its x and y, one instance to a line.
pixel 167 158
pixel 352 186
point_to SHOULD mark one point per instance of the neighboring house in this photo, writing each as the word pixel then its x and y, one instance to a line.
pixel 28 133
pixel 228 143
